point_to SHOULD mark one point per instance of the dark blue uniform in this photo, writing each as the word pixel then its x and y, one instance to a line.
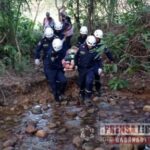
pixel 53 68
pixel 58 34
pixel 81 40
pixel 97 77
pixel 88 63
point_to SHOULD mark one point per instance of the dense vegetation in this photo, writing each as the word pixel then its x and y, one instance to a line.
pixel 125 23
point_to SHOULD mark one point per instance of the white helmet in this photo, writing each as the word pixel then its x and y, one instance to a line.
pixel 57 45
pixel 84 30
pixel 91 40
pixel 49 33
pixel 58 25
pixel 98 33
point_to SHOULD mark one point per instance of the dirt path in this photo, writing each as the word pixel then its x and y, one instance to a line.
pixel 21 118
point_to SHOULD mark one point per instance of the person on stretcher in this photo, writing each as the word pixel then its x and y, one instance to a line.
pixel 68 62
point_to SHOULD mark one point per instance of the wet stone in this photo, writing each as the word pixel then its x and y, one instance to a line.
pixel 37 109
pixel 112 101
pixel 146 108
pixel 91 110
pixel 31 128
pixel 102 114
pixel 41 133
pixel 61 131
pixel 96 99
pixel 52 125
pixel 131 102
pixel 45 117
pixel 64 103
pixel 52 131
pixel 77 141
pixel 8 143
pixel 88 146
pixel 104 105
pixel 83 114
pixel 71 114
pixel 9 148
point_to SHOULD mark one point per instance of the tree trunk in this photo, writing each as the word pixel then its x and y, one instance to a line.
pixel 90 15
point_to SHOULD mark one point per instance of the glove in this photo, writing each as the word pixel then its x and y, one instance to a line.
pixel 99 71
pixel 37 62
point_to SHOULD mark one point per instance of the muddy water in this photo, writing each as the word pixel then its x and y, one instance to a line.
pixel 70 119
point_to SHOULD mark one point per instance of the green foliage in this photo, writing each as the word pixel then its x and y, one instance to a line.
pixel 117 83
pixel 23 65
pixel 110 68
pixel 20 36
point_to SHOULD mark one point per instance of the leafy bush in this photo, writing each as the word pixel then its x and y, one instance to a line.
pixel 117 83
pixel 110 68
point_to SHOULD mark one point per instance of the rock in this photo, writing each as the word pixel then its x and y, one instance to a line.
pixel 31 128
pixel 64 103
pixel 9 143
pixel 71 114
pixel 102 114
pixel 61 131
pixel 52 125
pixel 91 111
pixel 135 111
pixel 37 109
pixel 52 131
pixel 77 141
pixel 96 99
pixel 45 117
pixel 146 108
pixel 8 119
pixel 12 109
pixel 112 101
pixel 45 107
pixel 83 114
pixel 41 133
pixel 9 148
pixel 25 107
pixel 88 146
pixel 147 114
pixel 98 148
pixel 131 102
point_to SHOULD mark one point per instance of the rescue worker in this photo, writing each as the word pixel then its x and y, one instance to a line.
pixel 44 45
pixel 57 79
pixel 87 64
pixel 52 56
pixel 48 21
pixel 99 35
pixel 58 30
pixel 67 28
pixel 83 35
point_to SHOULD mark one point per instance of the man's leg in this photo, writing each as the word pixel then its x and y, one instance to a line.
pixel 61 86
pixel 97 85
pixel 51 77
pixel 89 85
pixel 82 85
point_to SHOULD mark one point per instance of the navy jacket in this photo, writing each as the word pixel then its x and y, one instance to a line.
pixel 81 40
pixel 58 34
pixel 55 59
pixel 86 59
pixel 44 45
